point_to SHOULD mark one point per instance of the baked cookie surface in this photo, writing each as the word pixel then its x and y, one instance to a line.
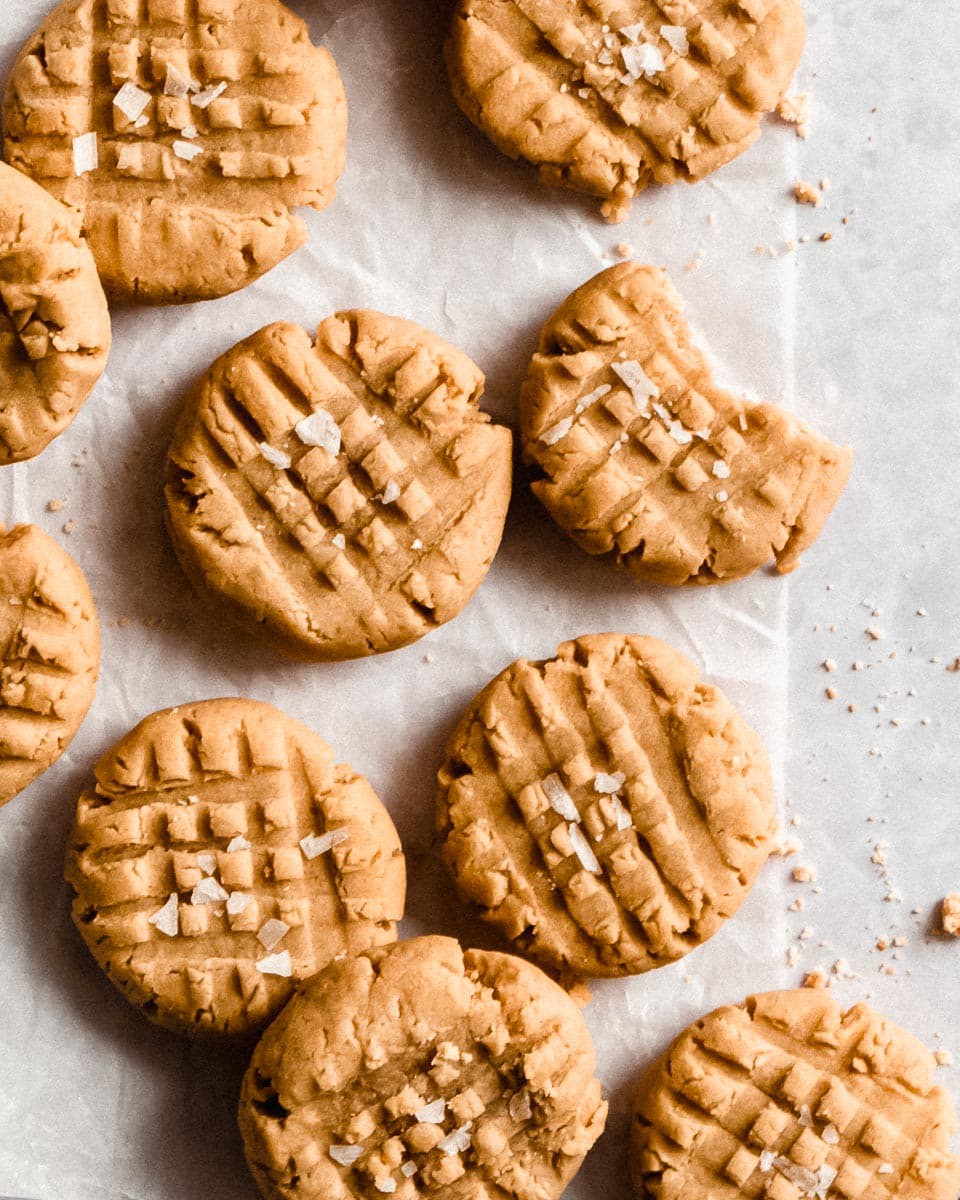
pixel 610 98
pixel 420 1070
pixel 344 497
pixel 788 1096
pixel 184 132
pixel 51 654
pixel 606 810
pixel 221 857
pixel 641 455
pixel 54 323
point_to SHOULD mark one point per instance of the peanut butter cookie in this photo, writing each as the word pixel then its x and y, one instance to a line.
pixel 422 1070
pixel 639 454
pixel 184 132
pixel 221 857
pixel 788 1096
pixel 344 497
pixel 606 809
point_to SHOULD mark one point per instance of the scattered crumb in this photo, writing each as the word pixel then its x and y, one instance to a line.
pixel 831 693
pixel 795 110
pixel 54 505
pixel 875 633
pixel 804 875
pixel 944 1058
pixel 807 193
pixel 826 236
pixel 829 664
pixel 950 914
pixel 69 527
pixel 817 978
pixel 624 249
pixel 798 905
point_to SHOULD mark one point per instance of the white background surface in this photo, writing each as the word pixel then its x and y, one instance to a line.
pixel 859 335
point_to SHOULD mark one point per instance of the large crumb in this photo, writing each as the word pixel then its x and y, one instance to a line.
pixel 795 110
pixel 807 193
pixel 950 914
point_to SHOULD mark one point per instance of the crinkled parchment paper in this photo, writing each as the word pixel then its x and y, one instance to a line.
pixel 858 334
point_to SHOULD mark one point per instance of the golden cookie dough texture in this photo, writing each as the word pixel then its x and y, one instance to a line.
pixel 193 201
pixel 51 654
pixel 363 543
pixel 603 102
pixel 641 455
pixel 423 1070
pixel 54 323
pixel 788 1096
pixel 606 810
pixel 217 796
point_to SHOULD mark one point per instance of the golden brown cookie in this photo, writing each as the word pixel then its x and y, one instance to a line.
pixel 606 809
pixel 54 323
pixel 423 1070
pixel 788 1096
pixel 221 857
pixel 638 453
pixel 184 132
pixel 51 654
pixel 344 497
pixel 950 914
pixel 609 98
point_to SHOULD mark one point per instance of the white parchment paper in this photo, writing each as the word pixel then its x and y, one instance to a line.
pixel 858 334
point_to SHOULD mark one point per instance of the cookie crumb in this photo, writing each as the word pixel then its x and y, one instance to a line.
pixel 807 193
pixel 795 110
pixel 54 505
pixel 950 914
pixel 817 978
pixel 826 236
pixel 804 875
pixel 943 1058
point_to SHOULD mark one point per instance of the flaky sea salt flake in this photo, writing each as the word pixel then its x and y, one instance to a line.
pixel 560 799
pixel 676 38
pixel 276 458
pixel 643 59
pixel 204 98
pixel 721 470
pixel 345 1156
pixel 178 84
pixel 237 843
pixel 555 433
pixel 188 151
pixel 391 492
pixel 276 964
pixel 237 902
pixel 583 850
pixel 431 1114
pixel 320 429
pixel 519 1106
pixel 272 933
pixel 313 845
pixel 592 397
pixel 86 155
pixel 641 386
pixel 608 785
pixel 207 863
pixel 131 101
pixel 620 815
pixel 208 891
pixel 167 919
pixel 457 1142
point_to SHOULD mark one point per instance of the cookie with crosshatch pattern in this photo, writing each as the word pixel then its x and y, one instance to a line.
pixel 51 654
pixel 345 496
pixel 184 132
pixel 423 1070
pixel 605 809
pixel 639 454
pixel 54 323
pixel 608 98
pixel 787 1096
pixel 221 857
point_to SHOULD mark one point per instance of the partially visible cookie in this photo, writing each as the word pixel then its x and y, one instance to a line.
pixel 639 454
pixel 788 1096
pixel 184 132
pixel 606 810
pixel 221 857
pixel 51 654
pixel 54 323
pixel 422 1070
pixel 608 99
pixel 344 496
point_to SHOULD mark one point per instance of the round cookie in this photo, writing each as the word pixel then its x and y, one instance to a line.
pixel 343 497
pixel 788 1096
pixel 422 1070
pixel 606 810
pixel 51 654
pixel 639 454
pixel 221 857
pixel 54 323
pixel 184 132
pixel 608 99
